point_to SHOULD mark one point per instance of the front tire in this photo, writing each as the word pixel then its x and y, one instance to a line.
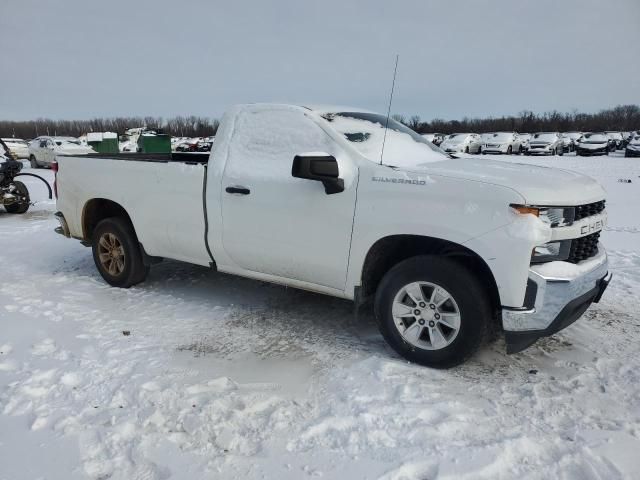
pixel 509 150
pixel 23 205
pixel 432 311
pixel 117 254
pixel 33 162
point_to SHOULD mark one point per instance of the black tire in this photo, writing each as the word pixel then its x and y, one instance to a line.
pixel 33 162
pixel 509 150
pixel 465 288
pixel 134 271
pixel 466 149
pixel 22 206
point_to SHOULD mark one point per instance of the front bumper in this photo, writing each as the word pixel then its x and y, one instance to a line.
pixel 535 150
pixel 495 149
pixel 592 151
pixel 555 300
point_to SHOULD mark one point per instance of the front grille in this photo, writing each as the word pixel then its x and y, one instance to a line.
pixel 583 248
pixel 583 211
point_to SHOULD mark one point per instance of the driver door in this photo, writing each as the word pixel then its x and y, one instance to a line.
pixel 274 223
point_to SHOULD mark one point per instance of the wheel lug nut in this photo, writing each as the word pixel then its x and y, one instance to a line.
pixel 421 322
pixel 432 306
pixel 422 304
pixel 436 316
pixel 416 312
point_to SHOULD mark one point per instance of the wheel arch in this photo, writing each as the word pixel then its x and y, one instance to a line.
pixel 98 209
pixel 390 250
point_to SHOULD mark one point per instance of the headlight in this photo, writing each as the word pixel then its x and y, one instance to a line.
pixel 552 216
pixel 551 252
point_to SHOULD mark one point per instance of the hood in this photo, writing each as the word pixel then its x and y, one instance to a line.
pixel 538 185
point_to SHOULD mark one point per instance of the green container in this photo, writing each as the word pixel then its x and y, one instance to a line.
pixel 159 143
pixel 107 145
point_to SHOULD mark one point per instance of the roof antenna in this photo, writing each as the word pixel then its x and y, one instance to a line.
pixel 393 84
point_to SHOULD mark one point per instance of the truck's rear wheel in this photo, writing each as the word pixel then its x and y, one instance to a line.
pixel 116 253
pixel 432 311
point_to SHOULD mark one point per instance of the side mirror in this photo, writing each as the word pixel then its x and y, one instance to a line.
pixel 321 167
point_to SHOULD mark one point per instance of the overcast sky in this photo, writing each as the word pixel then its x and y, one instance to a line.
pixel 83 58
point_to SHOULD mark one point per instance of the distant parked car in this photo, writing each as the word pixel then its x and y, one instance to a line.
pixel 18 147
pixel 633 147
pixel 616 138
pixel 204 146
pixel 594 143
pixel 429 136
pixel 567 143
pixel 438 138
pixel 502 142
pixel 462 143
pixel 546 143
pixel 524 139
pixel 43 150
pixel 575 137
pixel 188 146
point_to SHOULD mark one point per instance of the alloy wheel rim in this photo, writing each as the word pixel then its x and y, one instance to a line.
pixel 111 254
pixel 426 315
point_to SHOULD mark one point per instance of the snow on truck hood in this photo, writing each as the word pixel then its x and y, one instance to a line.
pixel 538 185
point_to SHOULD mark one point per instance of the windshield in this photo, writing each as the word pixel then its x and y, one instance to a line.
pixel 595 137
pixel 502 136
pixel 486 136
pixel 402 147
pixel 456 138
pixel 545 137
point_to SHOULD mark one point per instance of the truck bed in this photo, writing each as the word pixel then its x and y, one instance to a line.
pixel 161 193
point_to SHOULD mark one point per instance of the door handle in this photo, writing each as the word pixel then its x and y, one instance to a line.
pixel 238 190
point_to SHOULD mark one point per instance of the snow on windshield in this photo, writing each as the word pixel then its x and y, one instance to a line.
pixel 595 137
pixel 502 136
pixel 402 146
pixel 545 137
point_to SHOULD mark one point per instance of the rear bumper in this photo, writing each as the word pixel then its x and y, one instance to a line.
pixel 63 229
pixel 554 302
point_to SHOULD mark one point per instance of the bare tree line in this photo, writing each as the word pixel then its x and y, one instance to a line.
pixel 191 126
pixel 620 118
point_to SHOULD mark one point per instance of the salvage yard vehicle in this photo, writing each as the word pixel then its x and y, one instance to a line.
pixel 14 195
pixel 462 143
pixel 593 144
pixel 617 140
pixel 43 150
pixel 444 248
pixel 18 147
pixel 633 147
pixel 502 142
pixel 546 143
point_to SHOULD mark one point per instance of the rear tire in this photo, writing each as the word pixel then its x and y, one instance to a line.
pixel 116 253
pixel 447 347
pixel 509 150
pixel 23 206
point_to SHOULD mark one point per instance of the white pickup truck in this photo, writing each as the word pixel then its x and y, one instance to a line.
pixel 329 200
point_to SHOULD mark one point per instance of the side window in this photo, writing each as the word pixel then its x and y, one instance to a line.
pixel 265 142
pixel 43 143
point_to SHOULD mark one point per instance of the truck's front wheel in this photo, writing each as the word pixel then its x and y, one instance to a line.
pixel 432 311
pixel 116 253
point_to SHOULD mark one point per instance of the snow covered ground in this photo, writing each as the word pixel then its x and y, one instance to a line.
pixel 196 374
